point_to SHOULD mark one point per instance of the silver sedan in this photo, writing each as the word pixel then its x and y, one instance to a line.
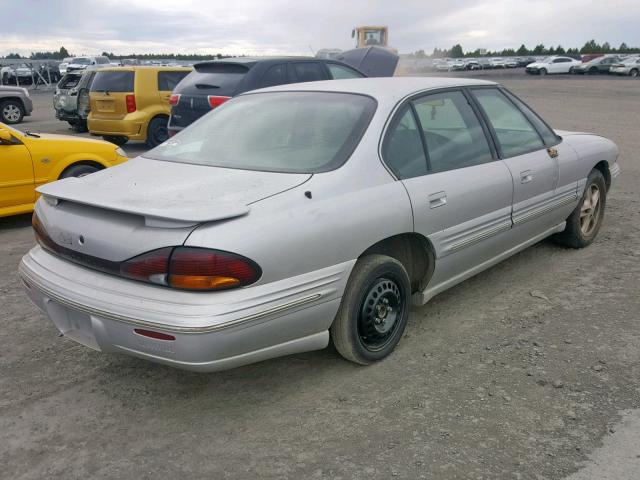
pixel 300 214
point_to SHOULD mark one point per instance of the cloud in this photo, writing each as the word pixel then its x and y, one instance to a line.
pixel 296 26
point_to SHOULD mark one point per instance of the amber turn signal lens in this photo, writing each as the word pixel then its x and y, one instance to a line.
pixel 202 282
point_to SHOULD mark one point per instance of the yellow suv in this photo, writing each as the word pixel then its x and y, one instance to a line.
pixel 28 160
pixel 132 103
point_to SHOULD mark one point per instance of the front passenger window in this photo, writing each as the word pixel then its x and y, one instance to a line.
pixel 516 135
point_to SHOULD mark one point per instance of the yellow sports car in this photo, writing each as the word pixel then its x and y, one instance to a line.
pixel 28 160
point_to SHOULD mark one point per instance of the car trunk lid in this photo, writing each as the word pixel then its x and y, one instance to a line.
pixel 145 204
pixel 109 91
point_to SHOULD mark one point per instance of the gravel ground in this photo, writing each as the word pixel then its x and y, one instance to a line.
pixel 522 372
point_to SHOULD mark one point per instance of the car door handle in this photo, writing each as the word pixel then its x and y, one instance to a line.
pixel 437 199
pixel 526 176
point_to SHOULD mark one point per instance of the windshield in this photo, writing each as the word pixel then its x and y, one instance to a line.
pixel 81 61
pixel 289 132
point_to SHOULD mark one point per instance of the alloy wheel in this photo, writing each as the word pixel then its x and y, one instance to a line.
pixel 590 210
pixel 11 113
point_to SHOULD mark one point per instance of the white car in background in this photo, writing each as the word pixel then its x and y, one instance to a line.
pixel 64 64
pixel 627 66
pixel 553 65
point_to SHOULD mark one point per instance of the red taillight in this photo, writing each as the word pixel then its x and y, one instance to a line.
pixel 192 268
pixel 153 334
pixel 171 133
pixel 149 267
pixel 131 103
pixel 174 99
pixel 216 100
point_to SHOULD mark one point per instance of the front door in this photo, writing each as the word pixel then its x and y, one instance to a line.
pixel 538 194
pixel 16 175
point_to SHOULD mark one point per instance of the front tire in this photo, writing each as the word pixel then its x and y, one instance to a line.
pixel 11 112
pixel 374 310
pixel 634 73
pixel 543 72
pixel 584 222
pixel 79 171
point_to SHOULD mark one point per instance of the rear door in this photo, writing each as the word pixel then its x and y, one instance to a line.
pixel 460 192
pixel 108 93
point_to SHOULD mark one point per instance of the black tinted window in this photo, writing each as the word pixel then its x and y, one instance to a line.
pixel 515 133
pixel 452 132
pixel 309 71
pixel 402 150
pixel 113 81
pixel 216 78
pixel 275 75
pixel 167 81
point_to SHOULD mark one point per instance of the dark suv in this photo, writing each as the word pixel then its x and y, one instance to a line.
pixel 212 83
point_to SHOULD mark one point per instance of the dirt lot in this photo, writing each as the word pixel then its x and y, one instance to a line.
pixel 523 372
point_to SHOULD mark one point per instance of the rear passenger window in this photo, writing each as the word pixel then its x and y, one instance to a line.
pixel 339 72
pixel 452 132
pixel 402 149
pixel 113 81
pixel 167 81
pixel 275 75
pixel 309 71
pixel 516 135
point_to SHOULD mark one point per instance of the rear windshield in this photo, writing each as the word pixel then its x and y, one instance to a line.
pixel 69 81
pixel 221 78
pixel 289 132
pixel 113 82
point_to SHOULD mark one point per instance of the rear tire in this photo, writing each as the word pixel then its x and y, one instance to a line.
pixel 634 73
pixel 11 112
pixel 157 131
pixel 79 171
pixel 118 140
pixel 584 222
pixel 593 71
pixel 374 310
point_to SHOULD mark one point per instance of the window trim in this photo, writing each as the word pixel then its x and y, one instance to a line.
pixel 494 135
pixel 399 110
pixel 342 65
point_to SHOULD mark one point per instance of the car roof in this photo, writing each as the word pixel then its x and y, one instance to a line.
pixel 381 88
pixel 274 59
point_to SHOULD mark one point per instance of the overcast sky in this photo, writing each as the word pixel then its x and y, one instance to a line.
pixel 265 27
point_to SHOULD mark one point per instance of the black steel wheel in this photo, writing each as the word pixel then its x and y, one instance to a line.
pixel 374 310
pixel 157 131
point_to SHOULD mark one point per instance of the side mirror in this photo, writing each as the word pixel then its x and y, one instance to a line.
pixel 5 136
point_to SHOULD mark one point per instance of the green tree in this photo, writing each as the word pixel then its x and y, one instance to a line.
pixel 539 50
pixel 560 50
pixel 456 51
pixel 522 51
pixel 623 48
pixel 606 48
pixel 63 53
pixel 591 47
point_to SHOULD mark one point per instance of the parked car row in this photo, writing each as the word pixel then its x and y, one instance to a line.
pixel 628 65
pixel 151 103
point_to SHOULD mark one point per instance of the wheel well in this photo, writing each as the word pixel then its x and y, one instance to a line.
pixel 82 162
pixel 414 251
pixel 603 167
pixel 15 99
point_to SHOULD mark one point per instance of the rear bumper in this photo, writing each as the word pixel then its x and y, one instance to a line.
pixel 133 126
pixel 213 331
pixel 67 116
